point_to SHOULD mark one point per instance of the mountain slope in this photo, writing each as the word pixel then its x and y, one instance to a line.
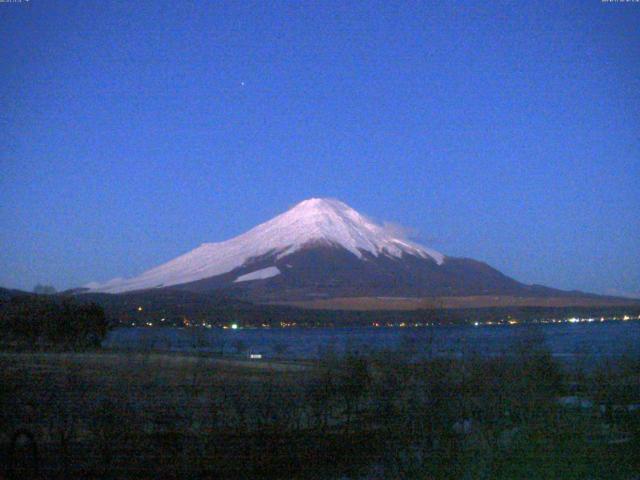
pixel 311 222
pixel 322 248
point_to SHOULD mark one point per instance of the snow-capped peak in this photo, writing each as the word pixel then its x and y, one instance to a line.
pixel 316 220
pixel 335 222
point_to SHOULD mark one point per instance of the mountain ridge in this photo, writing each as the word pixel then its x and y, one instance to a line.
pixel 319 249
pixel 309 222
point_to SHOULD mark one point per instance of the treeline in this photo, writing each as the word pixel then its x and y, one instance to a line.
pixel 180 308
pixel 126 311
pixel 36 321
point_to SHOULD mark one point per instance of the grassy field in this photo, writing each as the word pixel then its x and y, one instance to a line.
pixel 109 415
pixel 115 415
pixel 478 301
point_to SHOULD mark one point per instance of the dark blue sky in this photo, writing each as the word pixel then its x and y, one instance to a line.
pixel 133 131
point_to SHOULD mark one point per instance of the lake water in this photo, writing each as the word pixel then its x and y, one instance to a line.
pixel 591 341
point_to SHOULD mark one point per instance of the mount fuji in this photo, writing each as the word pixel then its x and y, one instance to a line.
pixel 322 248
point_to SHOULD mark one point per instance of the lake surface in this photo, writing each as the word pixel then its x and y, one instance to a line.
pixel 590 341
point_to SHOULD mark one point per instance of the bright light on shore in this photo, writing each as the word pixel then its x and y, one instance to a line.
pixel 234 326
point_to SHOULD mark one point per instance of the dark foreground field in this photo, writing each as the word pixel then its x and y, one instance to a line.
pixel 110 415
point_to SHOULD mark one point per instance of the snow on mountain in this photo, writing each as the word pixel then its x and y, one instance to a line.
pixel 258 274
pixel 312 221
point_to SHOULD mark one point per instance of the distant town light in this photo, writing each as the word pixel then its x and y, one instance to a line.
pixel 255 356
pixel 234 326
pixel 475 324
pixel 139 309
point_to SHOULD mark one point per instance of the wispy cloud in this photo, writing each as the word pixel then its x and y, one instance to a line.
pixel 400 231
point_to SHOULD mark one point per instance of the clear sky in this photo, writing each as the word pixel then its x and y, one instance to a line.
pixel 133 131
